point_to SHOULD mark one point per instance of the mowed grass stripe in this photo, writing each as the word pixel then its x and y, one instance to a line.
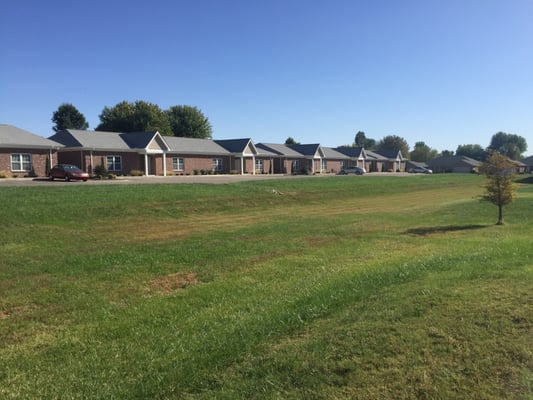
pixel 318 302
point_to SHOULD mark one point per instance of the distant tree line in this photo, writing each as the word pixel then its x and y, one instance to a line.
pixel 507 144
pixel 189 121
pixel 139 116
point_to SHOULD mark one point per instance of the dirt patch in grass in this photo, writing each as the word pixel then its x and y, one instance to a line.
pixel 170 283
pixel 5 313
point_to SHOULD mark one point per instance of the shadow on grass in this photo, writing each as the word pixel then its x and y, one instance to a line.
pixel 428 230
pixel 529 180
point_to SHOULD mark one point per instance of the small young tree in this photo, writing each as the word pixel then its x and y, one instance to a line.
pixel 499 186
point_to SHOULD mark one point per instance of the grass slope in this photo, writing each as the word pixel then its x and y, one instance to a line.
pixel 337 287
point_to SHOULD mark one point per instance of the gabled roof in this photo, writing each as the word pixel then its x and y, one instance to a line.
pixel 352 152
pixel 528 161
pixel 144 140
pixel 263 151
pixel 238 146
pixel 375 156
pixel 11 136
pixel 100 140
pixel 194 146
pixel 308 150
pixel 452 161
pixel 280 150
pixel 390 154
pixel 331 153
pixel 91 139
pixel 410 163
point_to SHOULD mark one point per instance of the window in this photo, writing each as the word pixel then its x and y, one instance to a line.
pixel 323 165
pixel 20 162
pixel 295 166
pixel 114 163
pixel 178 164
pixel 259 165
pixel 217 164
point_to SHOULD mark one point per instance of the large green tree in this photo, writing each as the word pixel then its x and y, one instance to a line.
pixel 394 142
pixel 508 144
pixel 422 152
pixel 68 117
pixel 474 151
pixel 188 121
pixel 362 141
pixel 499 187
pixel 140 116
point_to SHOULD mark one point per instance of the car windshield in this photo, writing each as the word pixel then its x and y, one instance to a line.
pixel 71 168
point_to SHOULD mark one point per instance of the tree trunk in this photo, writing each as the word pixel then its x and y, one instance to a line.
pixel 500 215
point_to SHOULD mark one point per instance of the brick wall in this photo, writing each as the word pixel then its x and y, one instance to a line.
pixel 38 160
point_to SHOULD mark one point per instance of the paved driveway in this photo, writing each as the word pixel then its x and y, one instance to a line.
pixel 212 179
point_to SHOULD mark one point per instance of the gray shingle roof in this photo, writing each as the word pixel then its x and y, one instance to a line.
pixel 331 153
pixel 390 154
pixel 528 161
pixel 194 146
pixel 280 150
pixel 235 145
pixel 138 140
pixel 453 161
pixel 353 152
pixel 91 139
pixel 309 150
pixel 11 136
pixel 374 155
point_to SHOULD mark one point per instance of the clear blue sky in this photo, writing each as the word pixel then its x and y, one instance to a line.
pixel 446 72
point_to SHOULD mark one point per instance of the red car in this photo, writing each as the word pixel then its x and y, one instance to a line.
pixel 68 172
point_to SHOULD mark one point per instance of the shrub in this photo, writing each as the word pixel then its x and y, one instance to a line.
pixel 5 174
pixel 196 172
pixel 31 174
pixel 136 172
pixel 100 171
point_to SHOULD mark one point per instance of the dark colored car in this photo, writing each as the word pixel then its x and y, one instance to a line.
pixel 68 172
pixel 352 170
pixel 420 170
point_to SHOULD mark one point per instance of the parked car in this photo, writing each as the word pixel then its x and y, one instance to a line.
pixel 67 172
pixel 420 170
pixel 352 170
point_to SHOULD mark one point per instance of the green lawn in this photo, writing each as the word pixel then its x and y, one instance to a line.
pixel 327 288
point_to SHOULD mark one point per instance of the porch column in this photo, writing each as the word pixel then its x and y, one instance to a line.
pixel 146 164
pixel 242 165
pixel 164 164
pixel 253 165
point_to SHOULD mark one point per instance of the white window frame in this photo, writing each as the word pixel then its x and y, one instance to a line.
pixel 112 162
pixel 178 164
pixel 295 166
pixel 259 165
pixel 17 160
pixel 217 165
